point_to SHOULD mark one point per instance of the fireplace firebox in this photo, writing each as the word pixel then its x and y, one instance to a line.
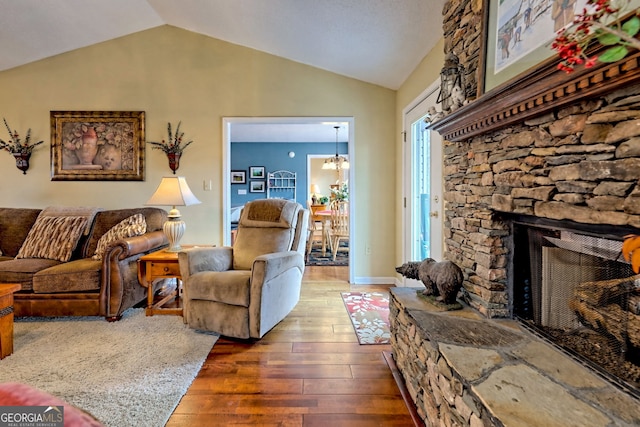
pixel 572 287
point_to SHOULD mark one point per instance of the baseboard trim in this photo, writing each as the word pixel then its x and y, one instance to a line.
pixel 374 281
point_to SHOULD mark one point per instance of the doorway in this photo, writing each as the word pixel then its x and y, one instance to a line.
pixel 292 130
pixel 423 216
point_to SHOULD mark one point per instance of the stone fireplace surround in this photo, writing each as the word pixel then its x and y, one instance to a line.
pixel 579 163
pixel 545 145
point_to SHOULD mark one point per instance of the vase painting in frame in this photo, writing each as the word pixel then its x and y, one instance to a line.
pixel 520 33
pixel 100 145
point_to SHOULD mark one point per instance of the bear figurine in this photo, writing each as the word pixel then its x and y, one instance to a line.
pixel 442 279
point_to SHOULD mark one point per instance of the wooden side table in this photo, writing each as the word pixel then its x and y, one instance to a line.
pixel 6 318
pixel 160 265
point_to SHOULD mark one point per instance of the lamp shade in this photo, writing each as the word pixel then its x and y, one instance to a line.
pixel 173 191
pixel 315 188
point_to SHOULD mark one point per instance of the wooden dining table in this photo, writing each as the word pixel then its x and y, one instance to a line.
pixel 324 217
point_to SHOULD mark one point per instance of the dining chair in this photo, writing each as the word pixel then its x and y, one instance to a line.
pixel 315 236
pixel 339 226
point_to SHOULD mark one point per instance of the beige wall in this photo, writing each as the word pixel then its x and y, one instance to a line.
pixel 427 72
pixel 175 75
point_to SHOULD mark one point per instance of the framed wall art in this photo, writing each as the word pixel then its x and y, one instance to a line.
pixel 97 145
pixel 519 35
pixel 257 186
pixel 257 172
pixel 238 177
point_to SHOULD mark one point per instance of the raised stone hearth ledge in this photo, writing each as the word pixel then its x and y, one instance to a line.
pixel 463 369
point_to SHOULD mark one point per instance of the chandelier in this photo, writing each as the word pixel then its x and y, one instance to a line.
pixel 336 162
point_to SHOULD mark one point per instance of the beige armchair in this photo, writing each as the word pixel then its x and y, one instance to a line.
pixel 245 290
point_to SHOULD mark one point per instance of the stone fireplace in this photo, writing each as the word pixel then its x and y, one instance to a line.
pixel 572 286
pixel 580 163
pixel 530 168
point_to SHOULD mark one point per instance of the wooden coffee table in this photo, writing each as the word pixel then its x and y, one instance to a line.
pixel 6 317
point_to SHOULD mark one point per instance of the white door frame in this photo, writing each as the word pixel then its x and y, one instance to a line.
pixel 227 122
pixel 436 180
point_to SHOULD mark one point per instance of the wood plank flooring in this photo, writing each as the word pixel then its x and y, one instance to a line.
pixel 308 371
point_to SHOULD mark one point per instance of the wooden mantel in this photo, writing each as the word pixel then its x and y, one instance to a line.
pixel 537 93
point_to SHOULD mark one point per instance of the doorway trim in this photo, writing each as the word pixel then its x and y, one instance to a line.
pixel 407 148
pixel 227 123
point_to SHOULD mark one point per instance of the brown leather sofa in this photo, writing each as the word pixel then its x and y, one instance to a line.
pixel 81 286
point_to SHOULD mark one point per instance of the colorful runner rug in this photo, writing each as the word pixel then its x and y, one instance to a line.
pixel 369 313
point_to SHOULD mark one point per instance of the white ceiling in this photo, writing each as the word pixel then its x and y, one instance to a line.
pixel 377 41
pixel 289 130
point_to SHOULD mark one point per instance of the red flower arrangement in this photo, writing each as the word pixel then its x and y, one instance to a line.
pixel 600 22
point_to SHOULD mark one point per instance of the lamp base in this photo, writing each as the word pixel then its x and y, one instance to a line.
pixel 174 230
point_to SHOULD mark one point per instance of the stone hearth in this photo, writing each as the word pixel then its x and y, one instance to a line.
pixel 463 369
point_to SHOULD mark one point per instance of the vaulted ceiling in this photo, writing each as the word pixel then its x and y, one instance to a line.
pixel 376 41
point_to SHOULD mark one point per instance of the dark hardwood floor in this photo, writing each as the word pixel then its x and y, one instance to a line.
pixel 308 371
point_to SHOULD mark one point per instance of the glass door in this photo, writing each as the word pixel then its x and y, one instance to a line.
pixel 423 185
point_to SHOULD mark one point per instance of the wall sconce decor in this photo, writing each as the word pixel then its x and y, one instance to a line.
pixel 173 147
pixel 19 149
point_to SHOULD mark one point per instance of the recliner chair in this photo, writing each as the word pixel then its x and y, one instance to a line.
pixel 245 290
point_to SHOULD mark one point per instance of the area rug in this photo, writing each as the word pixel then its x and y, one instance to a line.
pixel 128 373
pixel 369 313
pixel 317 259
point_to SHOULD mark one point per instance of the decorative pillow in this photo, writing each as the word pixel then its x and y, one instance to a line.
pixel 135 225
pixel 53 237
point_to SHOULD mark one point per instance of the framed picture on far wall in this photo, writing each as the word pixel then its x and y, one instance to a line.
pixel 257 186
pixel 97 145
pixel 238 177
pixel 256 172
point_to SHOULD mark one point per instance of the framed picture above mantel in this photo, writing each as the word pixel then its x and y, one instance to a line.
pixel 518 37
pixel 97 145
pixel 536 90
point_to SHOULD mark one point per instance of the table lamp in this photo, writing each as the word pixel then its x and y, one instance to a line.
pixel 173 191
pixel 314 193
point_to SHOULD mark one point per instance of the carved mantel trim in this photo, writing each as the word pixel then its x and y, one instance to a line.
pixel 535 94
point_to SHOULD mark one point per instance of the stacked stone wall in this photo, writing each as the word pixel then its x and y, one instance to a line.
pixel 581 163
pixel 441 397
pixel 462 28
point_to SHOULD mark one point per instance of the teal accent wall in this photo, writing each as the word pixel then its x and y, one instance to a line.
pixel 274 156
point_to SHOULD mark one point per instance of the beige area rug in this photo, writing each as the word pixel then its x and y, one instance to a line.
pixel 128 373
pixel 369 314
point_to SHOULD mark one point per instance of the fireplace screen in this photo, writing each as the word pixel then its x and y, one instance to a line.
pixel 577 291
